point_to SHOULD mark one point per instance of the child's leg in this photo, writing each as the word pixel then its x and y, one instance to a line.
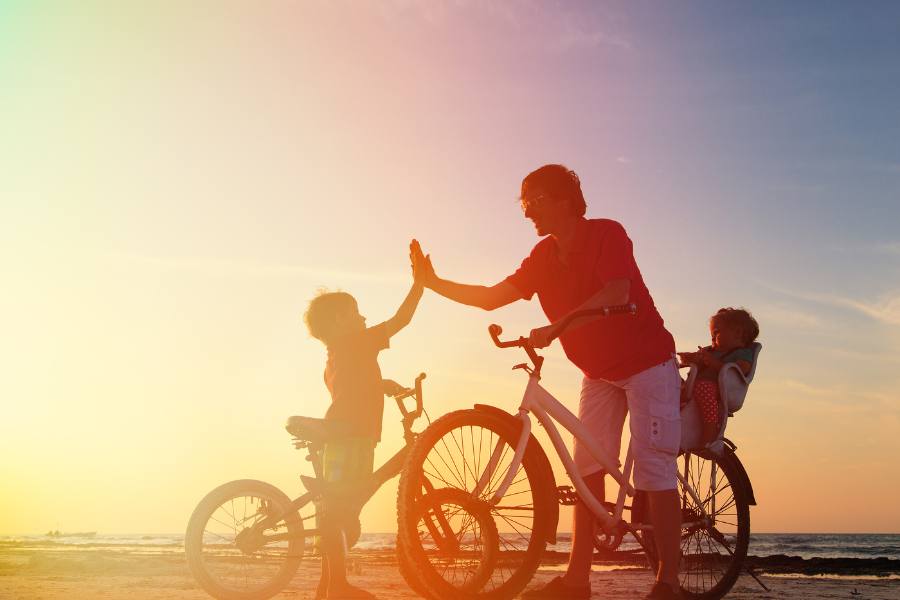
pixel 707 395
pixel 341 469
pixel 322 587
pixel 334 570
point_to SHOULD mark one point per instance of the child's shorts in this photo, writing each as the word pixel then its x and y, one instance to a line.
pixel 706 392
pixel 348 460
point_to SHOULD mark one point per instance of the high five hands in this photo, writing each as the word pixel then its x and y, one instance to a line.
pixel 423 271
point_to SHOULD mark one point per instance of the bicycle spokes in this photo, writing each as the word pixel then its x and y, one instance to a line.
pixel 457 538
pixel 473 456
pixel 712 527
pixel 237 554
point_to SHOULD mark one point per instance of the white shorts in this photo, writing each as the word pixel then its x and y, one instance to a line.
pixel 652 398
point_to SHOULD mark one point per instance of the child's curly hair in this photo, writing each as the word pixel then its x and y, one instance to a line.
pixel 321 314
pixel 740 318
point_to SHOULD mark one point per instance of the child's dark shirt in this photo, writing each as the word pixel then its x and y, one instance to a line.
pixel 711 374
pixel 353 377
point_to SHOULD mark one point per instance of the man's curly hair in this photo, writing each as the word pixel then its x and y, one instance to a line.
pixel 560 182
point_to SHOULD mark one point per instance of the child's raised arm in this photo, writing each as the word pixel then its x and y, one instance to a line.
pixel 406 311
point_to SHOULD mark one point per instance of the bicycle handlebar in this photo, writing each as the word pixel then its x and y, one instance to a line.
pixel 415 391
pixel 524 343
pixel 606 311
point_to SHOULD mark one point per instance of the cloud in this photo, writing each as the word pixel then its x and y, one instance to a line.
pixel 869 357
pixel 247 268
pixel 887 167
pixel 786 316
pixel 565 29
pixel 841 399
pixel 574 37
pixel 885 309
pixel 892 248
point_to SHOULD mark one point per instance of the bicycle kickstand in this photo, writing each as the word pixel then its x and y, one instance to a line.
pixel 750 572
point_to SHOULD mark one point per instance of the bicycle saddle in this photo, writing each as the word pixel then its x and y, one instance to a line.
pixel 309 429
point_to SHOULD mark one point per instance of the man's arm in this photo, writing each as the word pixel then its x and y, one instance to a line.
pixel 406 311
pixel 614 293
pixel 481 296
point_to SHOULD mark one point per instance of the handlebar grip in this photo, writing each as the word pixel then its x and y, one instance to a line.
pixel 495 331
pixel 630 309
pixel 419 394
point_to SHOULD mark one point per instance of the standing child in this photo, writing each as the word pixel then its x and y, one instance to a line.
pixel 353 378
pixel 733 331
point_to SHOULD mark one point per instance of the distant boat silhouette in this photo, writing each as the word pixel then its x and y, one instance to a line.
pixel 55 533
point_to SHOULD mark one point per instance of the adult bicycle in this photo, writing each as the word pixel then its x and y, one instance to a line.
pixel 481 465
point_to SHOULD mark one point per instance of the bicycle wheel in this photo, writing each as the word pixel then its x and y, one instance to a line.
pixel 408 570
pixel 472 451
pixel 228 557
pixel 459 542
pixel 715 533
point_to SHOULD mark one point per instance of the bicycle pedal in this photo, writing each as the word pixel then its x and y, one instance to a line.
pixel 312 484
pixel 566 495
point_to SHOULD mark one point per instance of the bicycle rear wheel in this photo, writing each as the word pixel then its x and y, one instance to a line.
pixel 715 533
pixel 228 556
pixel 471 451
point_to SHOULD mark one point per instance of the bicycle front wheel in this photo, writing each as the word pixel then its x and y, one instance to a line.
pixel 229 556
pixel 471 451
pixel 715 532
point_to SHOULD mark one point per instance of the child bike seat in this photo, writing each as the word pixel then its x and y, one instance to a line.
pixel 308 429
pixel 733 385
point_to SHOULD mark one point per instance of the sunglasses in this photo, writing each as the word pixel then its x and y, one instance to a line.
pixel 535 202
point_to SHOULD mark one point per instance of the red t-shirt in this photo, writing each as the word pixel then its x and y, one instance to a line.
pixel 353 377
pixel 609 348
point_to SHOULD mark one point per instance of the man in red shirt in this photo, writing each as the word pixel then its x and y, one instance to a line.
pixel 628 363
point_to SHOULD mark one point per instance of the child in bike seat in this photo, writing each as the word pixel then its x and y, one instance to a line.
pixel 353 378
pixel 733 331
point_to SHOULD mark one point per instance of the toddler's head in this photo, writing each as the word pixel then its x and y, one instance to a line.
pixel 732 328
pixel 333 314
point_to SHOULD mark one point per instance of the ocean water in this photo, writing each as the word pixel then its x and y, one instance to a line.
pixel 804 545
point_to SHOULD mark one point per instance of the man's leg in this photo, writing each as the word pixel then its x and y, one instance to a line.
pixel 655 423
pixel 602 411
pixel 665 514
pixel 583 524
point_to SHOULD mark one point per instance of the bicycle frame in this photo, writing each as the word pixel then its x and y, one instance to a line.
pixel 390 469
pixel 367 488
pixel 548 409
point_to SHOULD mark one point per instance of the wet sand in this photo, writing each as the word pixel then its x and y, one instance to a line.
pixel 74 574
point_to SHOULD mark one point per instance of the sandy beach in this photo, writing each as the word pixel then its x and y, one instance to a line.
pixel 47 573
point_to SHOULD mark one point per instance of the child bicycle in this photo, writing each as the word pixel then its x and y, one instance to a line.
pixel 246 538
pixel 478 501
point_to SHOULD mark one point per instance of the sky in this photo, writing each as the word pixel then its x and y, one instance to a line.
pixel 178 180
